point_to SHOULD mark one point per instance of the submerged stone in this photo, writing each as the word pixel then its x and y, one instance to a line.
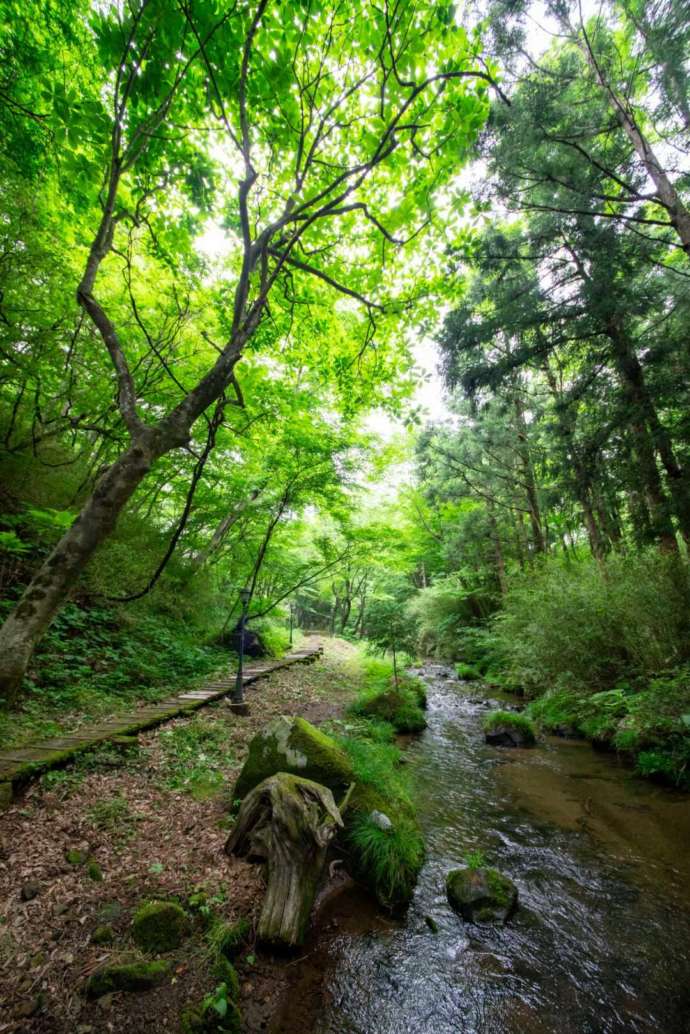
pixel 481 895
pixel 160 926
pixel 130 976
pixel 294 746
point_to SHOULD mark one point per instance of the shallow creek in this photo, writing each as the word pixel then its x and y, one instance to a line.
pixel 601 941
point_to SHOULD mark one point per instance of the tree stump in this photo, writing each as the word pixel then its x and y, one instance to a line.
pixel 286 822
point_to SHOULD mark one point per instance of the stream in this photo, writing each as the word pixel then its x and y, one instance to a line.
pixel 600 943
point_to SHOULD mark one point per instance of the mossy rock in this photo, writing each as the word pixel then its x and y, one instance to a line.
pixel 160 926
pixel 509 729
pixel 294 746
pixel 130 976
pixel 481 895
pixel 398 707
pixel 103 935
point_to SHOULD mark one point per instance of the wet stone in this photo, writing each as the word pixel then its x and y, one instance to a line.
pixel 481 895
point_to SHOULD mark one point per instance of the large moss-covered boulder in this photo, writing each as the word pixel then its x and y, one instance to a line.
pixel 481 895
pixel 160 926
pixel 130 976
pixel 295 746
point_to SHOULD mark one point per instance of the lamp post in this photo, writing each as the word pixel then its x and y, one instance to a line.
pixel 238 695
pixel 291 621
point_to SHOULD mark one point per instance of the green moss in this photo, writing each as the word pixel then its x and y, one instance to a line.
pixel 399 707
pixel 295 746
pixel 103 935
pixel 76 856
pixel 94 871
pixel 513 720
pixel 228 939
pixel 160 926
pixel 132 976
pixel 467 672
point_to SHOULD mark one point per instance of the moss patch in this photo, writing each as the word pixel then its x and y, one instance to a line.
pixel 509 726
pixel 131 976
pixel 295 746
pixel 481 895
pixel 160 926
pixel 400 707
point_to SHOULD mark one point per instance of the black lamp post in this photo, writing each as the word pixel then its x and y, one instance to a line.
pixel 238 695
pixel 291 621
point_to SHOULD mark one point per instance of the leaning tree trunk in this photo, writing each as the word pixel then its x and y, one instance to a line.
pixel 52 583
pixel 287 822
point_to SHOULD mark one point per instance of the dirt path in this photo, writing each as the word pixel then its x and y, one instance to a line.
pixel 148 823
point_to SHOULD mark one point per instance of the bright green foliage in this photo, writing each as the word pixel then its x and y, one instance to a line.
pixel 386 860
pixel 570 626
pixel 160 926
pixel 391 858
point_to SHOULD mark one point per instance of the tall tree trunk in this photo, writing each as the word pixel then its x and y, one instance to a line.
pixel 53 582
pixel 641 406
pixel 668 196
pixel 498 551
pixel 523 451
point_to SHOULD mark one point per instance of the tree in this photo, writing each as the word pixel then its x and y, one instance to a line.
pixel 319 120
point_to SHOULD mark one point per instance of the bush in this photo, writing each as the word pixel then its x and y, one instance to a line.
pixel 575 627
pixel 442 613
pixel 399 707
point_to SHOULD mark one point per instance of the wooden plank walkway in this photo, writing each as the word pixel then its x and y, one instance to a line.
pixel 20 764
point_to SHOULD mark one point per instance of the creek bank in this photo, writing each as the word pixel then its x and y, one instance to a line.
pixel 154 818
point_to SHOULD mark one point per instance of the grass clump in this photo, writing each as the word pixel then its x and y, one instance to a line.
pixel 468 672
pixel 401 705
pixel 512 720
pixel 111 813
pixel 386 859
pixel 391 858
pixel 196 756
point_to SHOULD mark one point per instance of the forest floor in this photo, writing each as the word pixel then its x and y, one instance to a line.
pixel 150 823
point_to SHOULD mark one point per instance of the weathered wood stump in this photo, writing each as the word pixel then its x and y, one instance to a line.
pixel 286 822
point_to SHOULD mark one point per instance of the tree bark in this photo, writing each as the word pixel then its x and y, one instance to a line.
pixel 524 455
pixel 286 822
pixel 52 583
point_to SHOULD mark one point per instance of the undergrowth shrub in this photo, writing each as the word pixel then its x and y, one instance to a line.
pixel 442 613
pixel 380 699
pixel 574 627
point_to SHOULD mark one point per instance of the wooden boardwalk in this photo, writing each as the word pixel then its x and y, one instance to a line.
pixel 23 763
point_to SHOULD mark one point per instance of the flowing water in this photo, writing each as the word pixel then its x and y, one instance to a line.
pixel 601 941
